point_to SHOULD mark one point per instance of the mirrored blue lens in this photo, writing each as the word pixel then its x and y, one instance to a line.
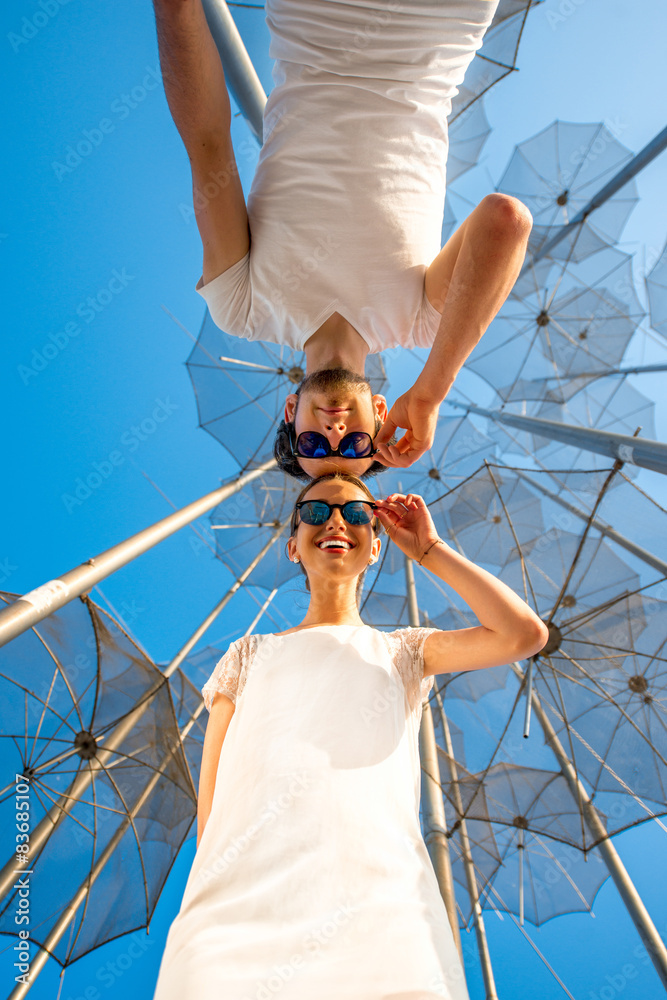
pixel 312 445
pixel 356 445
pixel 356 512
pixel 315 512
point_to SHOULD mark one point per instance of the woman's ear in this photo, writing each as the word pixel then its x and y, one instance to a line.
pixel 291 549
pixel 376 545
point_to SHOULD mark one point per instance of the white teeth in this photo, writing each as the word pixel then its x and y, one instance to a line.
pixel 334 543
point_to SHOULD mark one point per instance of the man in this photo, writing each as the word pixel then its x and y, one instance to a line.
pixel 337 252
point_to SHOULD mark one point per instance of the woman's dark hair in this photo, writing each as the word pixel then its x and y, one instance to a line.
pixel 289 463
pixel 345 477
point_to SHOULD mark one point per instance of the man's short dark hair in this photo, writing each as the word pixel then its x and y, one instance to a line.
pixel 289 463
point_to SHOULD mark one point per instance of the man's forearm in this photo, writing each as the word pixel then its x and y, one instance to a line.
pixel 192 74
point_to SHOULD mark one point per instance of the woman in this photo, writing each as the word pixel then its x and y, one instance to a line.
pixel 311 878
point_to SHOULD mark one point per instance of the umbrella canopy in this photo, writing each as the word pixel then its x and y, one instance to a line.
pixel 561 320
pixel 656 287
pixel 557 172
pixel 88 722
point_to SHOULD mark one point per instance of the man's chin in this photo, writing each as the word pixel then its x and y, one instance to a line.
pixel 315 467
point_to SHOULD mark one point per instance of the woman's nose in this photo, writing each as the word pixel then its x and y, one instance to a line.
pixel 336 518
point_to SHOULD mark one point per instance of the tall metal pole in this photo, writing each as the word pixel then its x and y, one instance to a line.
pixel 431 787
pixel 38 604
pixel 633 901
pixel 68 799
pixel 635 450
pixel 468 865
pixel 625 174
pixel 240 74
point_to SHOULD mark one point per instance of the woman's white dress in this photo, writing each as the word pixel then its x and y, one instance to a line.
pixel 312 880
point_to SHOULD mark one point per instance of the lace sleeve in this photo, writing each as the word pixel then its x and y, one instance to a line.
pixel 408 646
pixel 229 674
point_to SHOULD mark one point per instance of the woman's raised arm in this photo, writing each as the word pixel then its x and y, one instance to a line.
pixel 510 629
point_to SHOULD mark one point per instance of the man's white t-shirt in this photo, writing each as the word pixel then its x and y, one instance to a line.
pixel 346 204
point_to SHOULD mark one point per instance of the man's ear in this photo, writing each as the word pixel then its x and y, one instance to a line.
pixel 380 406
pixel 290 407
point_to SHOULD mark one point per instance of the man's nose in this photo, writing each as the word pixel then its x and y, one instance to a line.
pixel 335 430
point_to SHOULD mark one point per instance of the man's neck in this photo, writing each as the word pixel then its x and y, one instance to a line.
pixel 336 344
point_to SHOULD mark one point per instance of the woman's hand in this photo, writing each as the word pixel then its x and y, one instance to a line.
pixel 407 521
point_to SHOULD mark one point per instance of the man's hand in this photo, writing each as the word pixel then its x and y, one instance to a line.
pixel 418 414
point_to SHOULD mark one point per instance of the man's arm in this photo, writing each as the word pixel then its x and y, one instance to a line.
pixel 194 84
pixel 467 282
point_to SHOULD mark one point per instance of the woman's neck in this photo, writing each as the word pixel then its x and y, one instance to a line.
pixel 332 605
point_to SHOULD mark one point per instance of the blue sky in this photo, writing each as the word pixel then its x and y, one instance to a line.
pixel 94 247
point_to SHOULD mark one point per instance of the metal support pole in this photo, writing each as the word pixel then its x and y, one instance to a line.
pixel 433 805
pixel 635 450
pixel 38 604
pixel 240 75
pixel 633 901
pixel 625 174
pixel 468 865
pixel 46 826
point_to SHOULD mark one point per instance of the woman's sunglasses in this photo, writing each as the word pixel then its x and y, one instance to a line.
pixel 312 444
pixel 319 511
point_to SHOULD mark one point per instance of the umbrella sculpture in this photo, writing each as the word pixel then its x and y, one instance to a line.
pixel 562 320
pixel 656 286
pixel 89 725
pixel 593 600
pixel 557 172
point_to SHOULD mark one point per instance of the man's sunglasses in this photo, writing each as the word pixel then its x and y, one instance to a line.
pixel 319 511
pixel 312 444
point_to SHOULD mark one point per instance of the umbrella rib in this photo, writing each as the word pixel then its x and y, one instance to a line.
pixel 605 696
pixel 531 942
pixel 582 540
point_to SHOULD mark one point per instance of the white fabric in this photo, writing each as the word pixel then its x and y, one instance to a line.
pixel 346 205
pixel 312 880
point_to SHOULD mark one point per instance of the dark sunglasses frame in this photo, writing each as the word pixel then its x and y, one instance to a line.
pixel 335 506
pixel 294 445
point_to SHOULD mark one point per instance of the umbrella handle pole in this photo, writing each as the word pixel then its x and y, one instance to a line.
pixel 529 701
pixel 638 451
pixel 434 807
pixel 466 858
pixel 626 887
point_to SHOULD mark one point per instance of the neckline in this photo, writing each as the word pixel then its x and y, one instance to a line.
pixel 312 628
